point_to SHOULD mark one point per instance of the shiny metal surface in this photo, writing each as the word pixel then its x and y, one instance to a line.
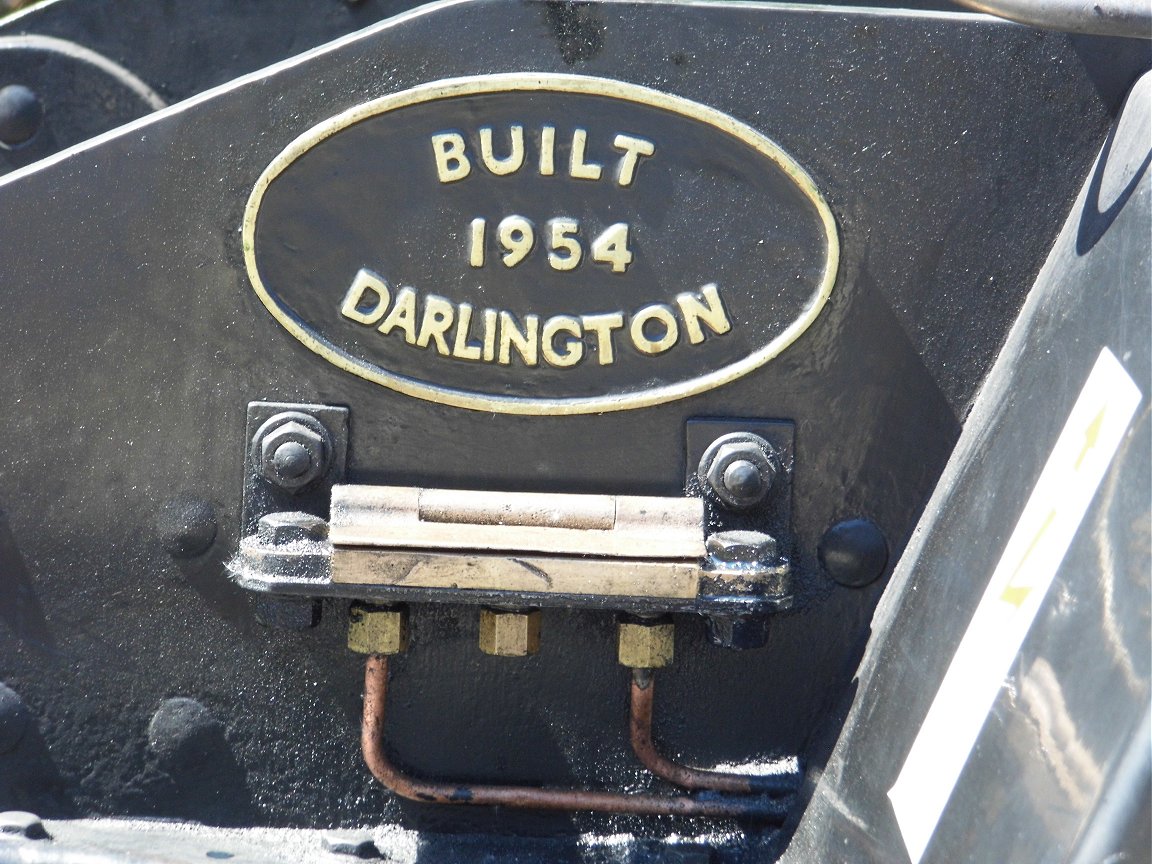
pixel 1111 18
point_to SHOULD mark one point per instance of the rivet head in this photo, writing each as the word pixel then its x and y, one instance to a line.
pixel 186 525
pixel 21 114
pixel 353 845
pixel 854 552
pixel 20 823
pixel 183 732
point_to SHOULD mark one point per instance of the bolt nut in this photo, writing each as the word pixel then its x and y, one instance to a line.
pixel 644 645
pixel 288 613
pixel 282 529
pixel 292 449
pixel 292 456
pixel 509 634
pixel 738 632
pixel 739 469
pixel 745 562
pixel 377 629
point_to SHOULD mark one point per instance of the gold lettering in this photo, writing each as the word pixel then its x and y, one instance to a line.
pixel 526 341
pixel 489 335
pixel 602 326
pixel 656 312
pixel 461 347
pixel 633 149
pixel 403 315
pixel 438 315
pixel 451 162
pixel 476 243
pixel 366 281
pixel 547 151
pixel 561 341
pixel 573 350
pixel 577 167
pixel 709 310
pixel 509 164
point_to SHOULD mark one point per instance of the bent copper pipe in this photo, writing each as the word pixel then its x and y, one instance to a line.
pixel 643 687
pixel 428 791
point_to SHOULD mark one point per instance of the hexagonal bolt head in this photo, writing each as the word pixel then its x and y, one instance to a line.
pixel 641 645
pixel 282 529
pixel 287 613
pixel 739 632
pixel 740 548
pixel 509 634
pixel 739 469
pixel 292 449
pixel 377 629
pixel 745 562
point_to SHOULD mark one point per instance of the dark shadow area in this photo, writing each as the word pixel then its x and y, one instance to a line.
pixel 20 609
pixel 28 778
pixel 1113 64
pixel 1094 221
pixel 188 528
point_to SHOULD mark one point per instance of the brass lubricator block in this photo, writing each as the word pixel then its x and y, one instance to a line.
pixel 509 634
pixel 644 645
pixel 377 629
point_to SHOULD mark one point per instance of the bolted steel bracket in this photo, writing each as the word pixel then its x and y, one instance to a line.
pixel 295 453
pixel 755 457
pixel 742 469
pixel 293 456
pixel 309 533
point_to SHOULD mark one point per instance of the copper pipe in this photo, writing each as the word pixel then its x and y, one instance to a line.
pixel 427 791
pixel 643 687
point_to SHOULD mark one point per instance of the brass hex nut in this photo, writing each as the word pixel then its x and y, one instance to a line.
pixel 509 634
pixel 645 646
pixel 377 629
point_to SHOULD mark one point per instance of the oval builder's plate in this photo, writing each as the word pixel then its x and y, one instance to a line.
pixel 540 244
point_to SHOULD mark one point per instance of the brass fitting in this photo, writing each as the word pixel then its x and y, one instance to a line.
pixel 509 634
pixel 377 629
pixel 645 645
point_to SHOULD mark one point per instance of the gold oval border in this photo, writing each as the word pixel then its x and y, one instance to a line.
pixel 559 83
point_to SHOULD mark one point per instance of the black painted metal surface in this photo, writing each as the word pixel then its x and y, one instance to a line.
pixel 1061 770
pixel 69 94
pixel 182 49
pixel 136 343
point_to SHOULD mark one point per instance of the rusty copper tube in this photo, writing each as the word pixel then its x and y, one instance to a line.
pixel 643 687
pixel 428 791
